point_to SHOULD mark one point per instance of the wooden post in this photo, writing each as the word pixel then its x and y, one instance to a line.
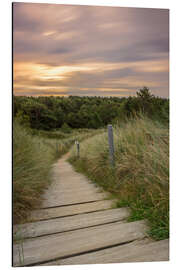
pixel 78 148
pixel 111 145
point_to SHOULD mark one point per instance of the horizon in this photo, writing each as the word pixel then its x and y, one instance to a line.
pixel 76 50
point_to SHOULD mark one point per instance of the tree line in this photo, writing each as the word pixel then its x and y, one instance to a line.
pixel 49 113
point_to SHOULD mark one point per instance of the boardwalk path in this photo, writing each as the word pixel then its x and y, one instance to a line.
pixel 77 225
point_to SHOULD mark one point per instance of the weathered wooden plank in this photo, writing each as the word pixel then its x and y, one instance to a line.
pixel 70 223
pixel 59 198
pixel 42 249
pixel 132 252
pixel 70 210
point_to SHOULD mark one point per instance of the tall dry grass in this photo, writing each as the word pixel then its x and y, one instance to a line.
pixel 32 160
pixel 33 157
pixel 140 178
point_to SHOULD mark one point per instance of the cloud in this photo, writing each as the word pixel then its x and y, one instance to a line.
pixel 134 41
pixel 60 51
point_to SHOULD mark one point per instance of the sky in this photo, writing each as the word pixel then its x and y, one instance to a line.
pixel 64 50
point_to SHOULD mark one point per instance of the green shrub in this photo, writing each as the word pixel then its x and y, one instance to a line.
pixel 66 128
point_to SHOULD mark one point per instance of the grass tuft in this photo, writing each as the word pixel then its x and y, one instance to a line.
pixel 140 178
pixel 33 157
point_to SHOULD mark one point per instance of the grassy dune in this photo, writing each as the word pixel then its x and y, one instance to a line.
pixel 33 157
pixel 140 178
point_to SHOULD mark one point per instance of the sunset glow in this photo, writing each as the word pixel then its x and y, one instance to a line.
pixel 87 50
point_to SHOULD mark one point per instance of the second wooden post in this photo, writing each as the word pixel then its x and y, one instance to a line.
pixel 111 145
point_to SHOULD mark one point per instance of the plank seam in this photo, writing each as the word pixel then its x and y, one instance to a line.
pixel 80 253
pixel 88 212
pixel 63 205
pixel 82 228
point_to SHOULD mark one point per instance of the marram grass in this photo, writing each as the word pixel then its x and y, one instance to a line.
pixel 140 178
pixel 33 157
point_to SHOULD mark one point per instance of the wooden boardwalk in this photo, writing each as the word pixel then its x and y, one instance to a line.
pixel 76 224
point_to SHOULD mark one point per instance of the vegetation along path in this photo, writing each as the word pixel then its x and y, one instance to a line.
pixel 77 224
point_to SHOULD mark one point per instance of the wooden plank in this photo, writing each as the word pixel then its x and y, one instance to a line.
pixel 42 249
pixel 70 223
pixel 70 210
pixel 58 198
pixel 133 252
